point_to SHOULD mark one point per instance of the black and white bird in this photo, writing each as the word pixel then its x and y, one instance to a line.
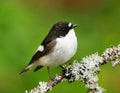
pixel 58 47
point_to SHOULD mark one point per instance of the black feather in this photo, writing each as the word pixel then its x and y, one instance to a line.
pixel 37 68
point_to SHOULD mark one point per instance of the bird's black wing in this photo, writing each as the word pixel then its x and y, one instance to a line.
pixel 47 48
pixel 48 43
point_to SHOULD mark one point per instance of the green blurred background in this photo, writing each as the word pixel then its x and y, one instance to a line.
pixel 24 24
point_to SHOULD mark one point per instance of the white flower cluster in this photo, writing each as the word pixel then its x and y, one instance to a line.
pixel 72 71
pixel 41 88
pixel 86 71
pixel 89 69
pixel 113 55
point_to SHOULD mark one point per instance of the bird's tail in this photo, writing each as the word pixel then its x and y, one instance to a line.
pixel 26 69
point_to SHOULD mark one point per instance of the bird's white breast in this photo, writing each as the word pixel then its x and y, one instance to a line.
pixel 63 50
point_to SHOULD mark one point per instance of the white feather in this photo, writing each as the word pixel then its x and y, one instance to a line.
pixel 70 24
pixel 63 51
pixel 40 48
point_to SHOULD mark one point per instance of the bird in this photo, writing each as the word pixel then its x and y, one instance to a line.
pixel 59 46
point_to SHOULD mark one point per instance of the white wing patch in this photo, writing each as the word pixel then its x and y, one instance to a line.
pixel 40 48
pixel 70 24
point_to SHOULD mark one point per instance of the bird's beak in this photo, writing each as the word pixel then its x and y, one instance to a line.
pixel 75 25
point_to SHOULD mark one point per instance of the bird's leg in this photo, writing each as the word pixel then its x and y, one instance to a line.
pixel 63 68
pixel 48 68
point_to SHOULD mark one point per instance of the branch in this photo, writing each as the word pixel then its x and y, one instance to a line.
pixel 86 71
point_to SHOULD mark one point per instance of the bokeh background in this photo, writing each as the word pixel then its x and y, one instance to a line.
pixel 24 24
